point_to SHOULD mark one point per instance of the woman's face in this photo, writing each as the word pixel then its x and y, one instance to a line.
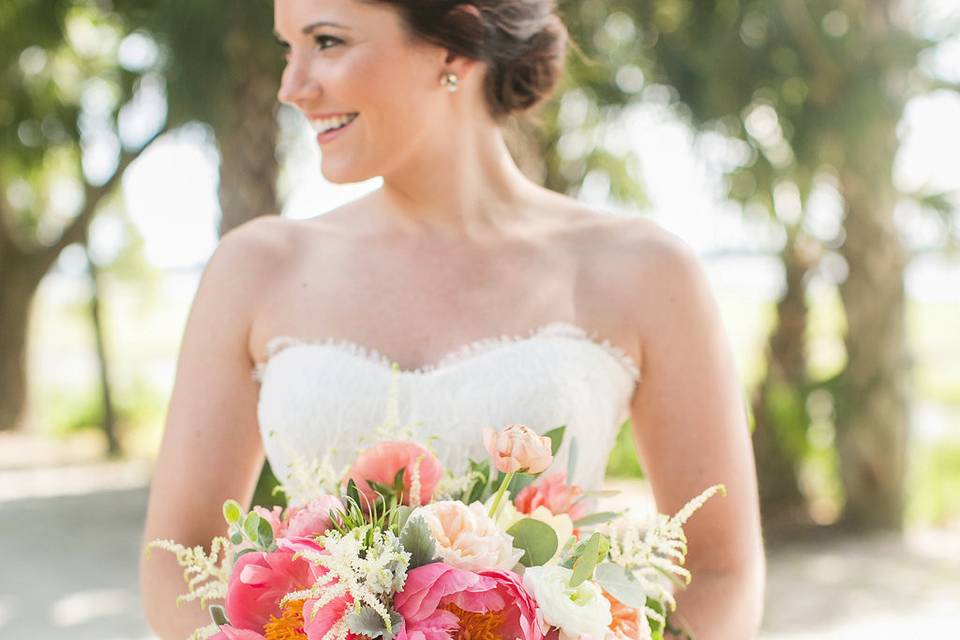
pixel 349 58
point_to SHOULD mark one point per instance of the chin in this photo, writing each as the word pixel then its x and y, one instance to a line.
pixel 344 174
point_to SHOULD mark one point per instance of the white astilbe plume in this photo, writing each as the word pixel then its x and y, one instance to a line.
pixel 391 430
pixel 370 572
pixel 451 487
pixel 307 478
pixel 206 575
pixel 655 550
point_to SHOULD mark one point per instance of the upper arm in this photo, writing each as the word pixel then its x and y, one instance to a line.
pixel 688 412
pixel 211 448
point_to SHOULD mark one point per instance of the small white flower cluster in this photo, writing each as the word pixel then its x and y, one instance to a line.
pixel 206 575
pixel 370 573
pixel 654 550
pixel 451 486
pixel 307 478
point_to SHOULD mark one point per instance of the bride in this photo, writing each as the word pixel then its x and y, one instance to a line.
pixel 499 301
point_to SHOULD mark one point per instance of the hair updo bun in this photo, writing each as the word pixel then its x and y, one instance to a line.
pixel 523 42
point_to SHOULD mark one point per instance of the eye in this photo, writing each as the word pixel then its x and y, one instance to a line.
pixel 284 47
pixel 321 39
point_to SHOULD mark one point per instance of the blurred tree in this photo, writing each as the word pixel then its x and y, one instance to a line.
pixel 62 95
pixel 221 66
pixel 816 89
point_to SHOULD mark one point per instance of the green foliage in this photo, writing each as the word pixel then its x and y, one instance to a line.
pixel 624 461
pixel 537 539
pixel 368 622
pixel 620 584
pixel 418 542
pixel 587 559
pixel 933 486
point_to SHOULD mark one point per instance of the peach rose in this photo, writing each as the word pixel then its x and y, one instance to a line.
pixel 467 538
pixel 518 448
pixel 553 492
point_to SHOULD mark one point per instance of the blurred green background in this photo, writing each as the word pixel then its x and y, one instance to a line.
pixel 807 150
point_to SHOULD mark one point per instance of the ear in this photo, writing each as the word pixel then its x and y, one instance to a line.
pixel 470 15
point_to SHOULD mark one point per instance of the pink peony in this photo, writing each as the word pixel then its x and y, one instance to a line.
pixel 439 602
pixel 382 462
pixel 229 632
pixel 518 448
pixel 313 518
pixel 553 492
pixel 257 583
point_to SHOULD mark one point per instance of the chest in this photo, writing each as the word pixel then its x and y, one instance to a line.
pixel 416 304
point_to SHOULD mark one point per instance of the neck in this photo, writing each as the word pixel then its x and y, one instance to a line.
pixel 467 187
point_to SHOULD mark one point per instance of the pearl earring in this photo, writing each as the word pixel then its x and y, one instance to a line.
pixel 450 81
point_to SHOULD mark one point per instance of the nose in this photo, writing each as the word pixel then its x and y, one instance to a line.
pixel 296 85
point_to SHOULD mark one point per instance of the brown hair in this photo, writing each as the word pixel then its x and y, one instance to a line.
pixel 523 42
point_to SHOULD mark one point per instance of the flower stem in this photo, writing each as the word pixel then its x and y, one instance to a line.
pixel 495 507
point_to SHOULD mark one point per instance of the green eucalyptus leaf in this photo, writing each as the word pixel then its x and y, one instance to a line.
pixel 595 518
pixel 586 561
pixel 232 511
pixel 251 526
pixel 556 438
pixel 620 584
pixel 236 538
pixel 537 539
pixel 265 533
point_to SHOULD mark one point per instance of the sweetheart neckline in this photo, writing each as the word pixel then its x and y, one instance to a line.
pixel 467 351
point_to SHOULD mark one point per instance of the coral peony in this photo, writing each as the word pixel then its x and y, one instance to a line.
pixel 466 537
pixel 382 462
pixel 517 447
pixel 553 492
pixel 439 602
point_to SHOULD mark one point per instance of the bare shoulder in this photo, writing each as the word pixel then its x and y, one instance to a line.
pixel 651 272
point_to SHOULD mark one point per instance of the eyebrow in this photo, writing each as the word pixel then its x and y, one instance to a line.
pixel 315 25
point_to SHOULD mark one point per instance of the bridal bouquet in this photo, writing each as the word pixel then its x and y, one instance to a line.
pixel 401 549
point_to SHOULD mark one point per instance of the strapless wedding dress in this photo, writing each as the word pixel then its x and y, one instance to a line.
pixel 328 396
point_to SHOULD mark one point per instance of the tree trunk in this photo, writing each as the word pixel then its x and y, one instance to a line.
pixel 18 283
pixel 96 317
pixel 873 408
pixel 248 136
pixel 779 404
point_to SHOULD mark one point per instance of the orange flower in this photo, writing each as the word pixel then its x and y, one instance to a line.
pixel 628 623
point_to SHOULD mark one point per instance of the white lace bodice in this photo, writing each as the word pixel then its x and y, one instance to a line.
pixel 320 397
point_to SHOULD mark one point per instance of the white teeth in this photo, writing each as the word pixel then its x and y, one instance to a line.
pixel 326 124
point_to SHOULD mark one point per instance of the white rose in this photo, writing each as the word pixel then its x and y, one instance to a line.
pixel 576 611
pixel 466 537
